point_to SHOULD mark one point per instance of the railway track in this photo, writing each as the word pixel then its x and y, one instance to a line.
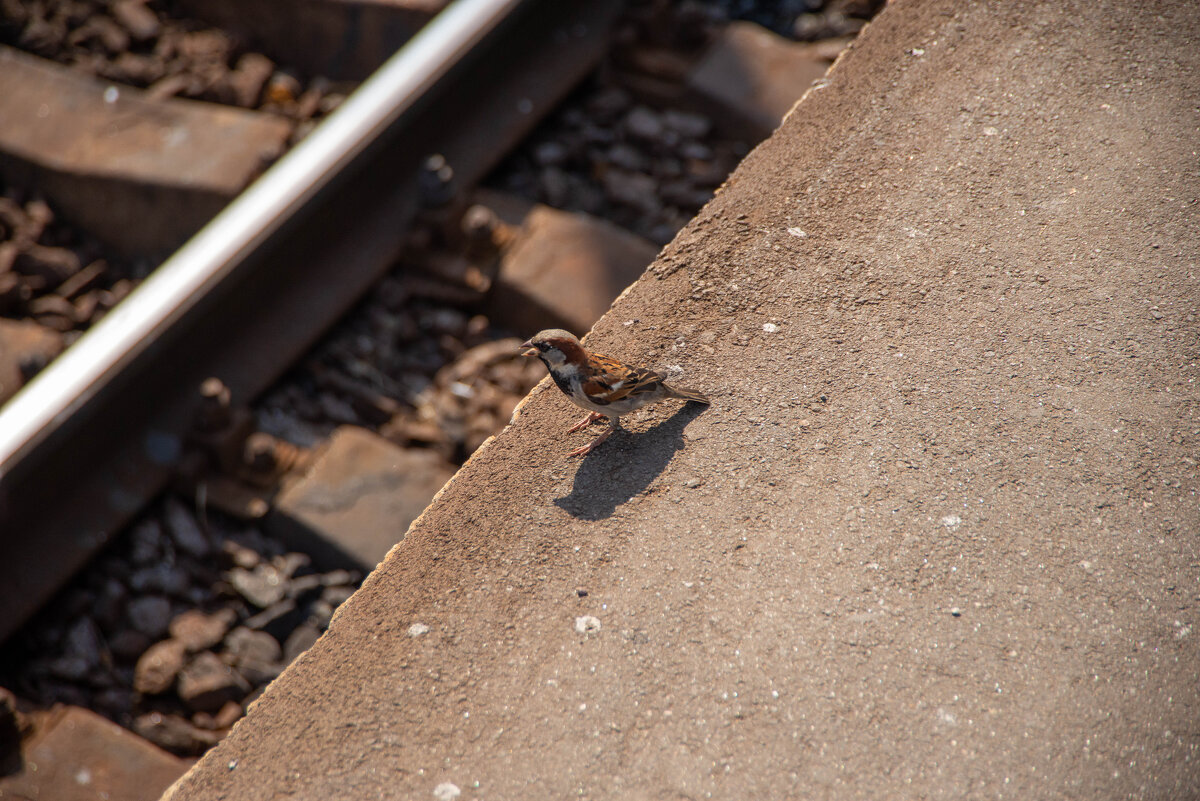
pixel 252 291
pixel 122 414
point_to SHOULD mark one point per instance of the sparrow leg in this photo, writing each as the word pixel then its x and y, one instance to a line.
pixel 585 422
pixel 586 449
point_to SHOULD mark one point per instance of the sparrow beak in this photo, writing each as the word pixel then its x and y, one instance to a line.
pixel 532 351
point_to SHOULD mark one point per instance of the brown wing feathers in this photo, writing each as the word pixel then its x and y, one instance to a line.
pixel 615 380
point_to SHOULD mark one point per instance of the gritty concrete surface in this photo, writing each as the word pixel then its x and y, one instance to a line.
pixel 935 538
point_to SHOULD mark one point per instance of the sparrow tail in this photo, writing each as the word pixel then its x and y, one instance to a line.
pixel 689 395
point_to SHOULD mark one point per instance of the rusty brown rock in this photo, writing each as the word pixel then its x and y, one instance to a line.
pixel 207 683
pixel 247 79
pixel 225 717
pixel 198 630
pixel 174 733
pixel 52 264
pixel 157 668
pixel 135 17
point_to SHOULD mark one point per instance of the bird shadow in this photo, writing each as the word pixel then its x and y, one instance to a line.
pixel 625 465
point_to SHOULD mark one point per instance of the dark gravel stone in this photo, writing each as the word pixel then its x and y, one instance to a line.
pixel 129 644
pixel 185 531
pixel 169 579
pixel 84 641
pixel 53 265
pixel 149 615
pixel 146 541
pixel 71 668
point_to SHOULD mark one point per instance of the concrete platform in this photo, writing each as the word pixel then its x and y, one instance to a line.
pixel 935 538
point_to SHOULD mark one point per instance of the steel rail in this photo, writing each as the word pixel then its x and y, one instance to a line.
pixel 176 286
pixel 94 436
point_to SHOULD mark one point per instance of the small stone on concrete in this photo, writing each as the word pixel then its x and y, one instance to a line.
pixel 446 792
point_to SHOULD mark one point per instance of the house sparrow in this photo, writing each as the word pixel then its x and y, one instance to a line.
pixel 603 386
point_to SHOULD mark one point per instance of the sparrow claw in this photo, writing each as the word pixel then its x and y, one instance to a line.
pixel 585 422
pixel 586 449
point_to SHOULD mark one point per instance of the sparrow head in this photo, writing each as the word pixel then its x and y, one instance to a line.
pixel 555 347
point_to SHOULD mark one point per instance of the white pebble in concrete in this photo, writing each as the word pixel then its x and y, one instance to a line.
pixel 446 791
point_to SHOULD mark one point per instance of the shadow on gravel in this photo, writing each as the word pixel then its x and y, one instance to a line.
pixel 624 466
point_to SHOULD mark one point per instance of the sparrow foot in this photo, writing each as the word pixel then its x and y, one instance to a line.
pixel 585 422
pixel 586 449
